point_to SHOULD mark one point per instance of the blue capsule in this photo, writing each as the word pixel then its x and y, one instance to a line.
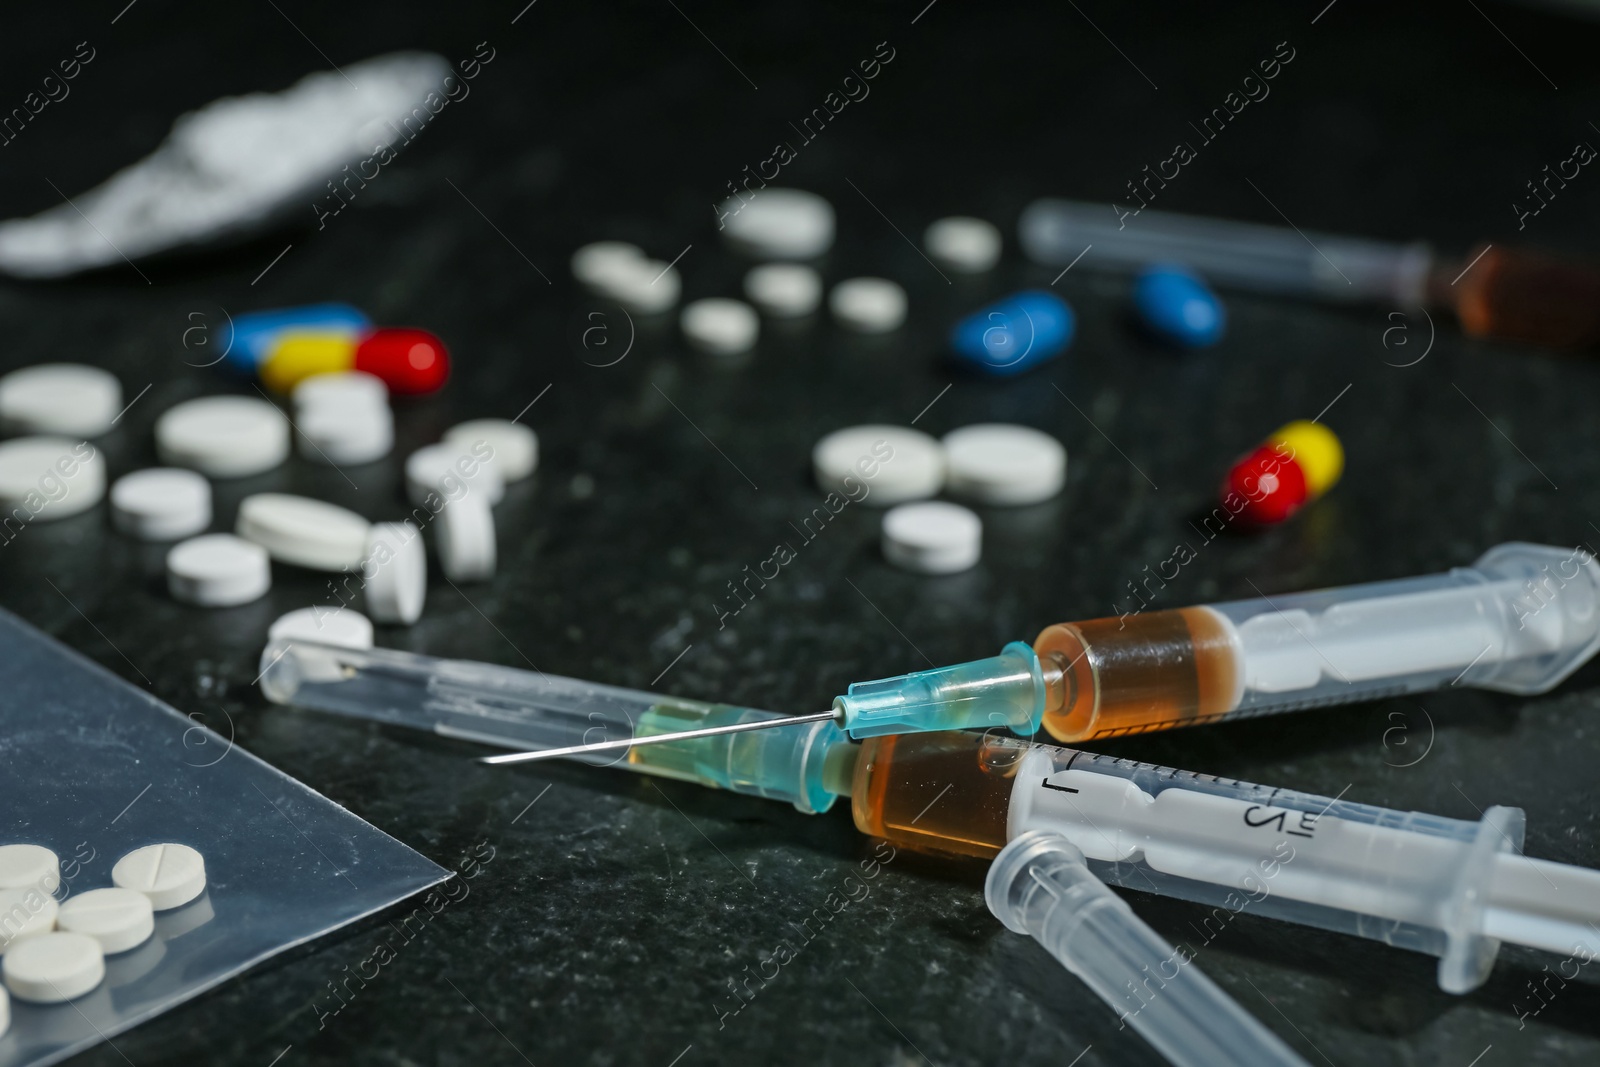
pixel 253 334
pixel 1014 334
pixel 1177 306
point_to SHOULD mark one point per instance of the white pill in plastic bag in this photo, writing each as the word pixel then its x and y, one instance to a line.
pixel 119 919
pixel 29 867
pixel 932 537
pixel 515 446
pixel 775 223
pixel 170 875
pixel 70 399
pixel 784 290
pixel 218 571
pixel 720 326
pixel 964 244
pixel 54 968
pixel 395 572
pixel 45 478
pixel 464 535
pixel 223 436
pixel 879 465
pixel 868 305
pixel 999 463
pixel 451 471
pixel 161 503
pixel 304 532
pixel 24 913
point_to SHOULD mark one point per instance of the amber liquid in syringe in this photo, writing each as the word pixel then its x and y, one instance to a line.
pixel 1114 676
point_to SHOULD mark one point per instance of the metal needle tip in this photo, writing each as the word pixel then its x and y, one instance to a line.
pixel 656 739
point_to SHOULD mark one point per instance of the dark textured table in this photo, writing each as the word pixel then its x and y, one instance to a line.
pixel 613 913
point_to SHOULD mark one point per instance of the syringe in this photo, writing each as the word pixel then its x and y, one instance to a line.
pixel 1451 888
pixel 1497 292
pixel 810 767
pixel 1519 620
pixel 1447 887
pixel 1041 885
pixel 512 708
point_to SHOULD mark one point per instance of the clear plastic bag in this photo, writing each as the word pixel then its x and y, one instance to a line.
pixel 93 768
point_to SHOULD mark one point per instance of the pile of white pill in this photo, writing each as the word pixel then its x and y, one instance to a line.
pixel 340 419
pixel 53 946
pixel 616 270
pixel 895 467
pixel 992 464
pixel 343 419
pixel 781 229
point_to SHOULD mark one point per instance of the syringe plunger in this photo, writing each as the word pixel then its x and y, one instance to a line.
pixel 1039 885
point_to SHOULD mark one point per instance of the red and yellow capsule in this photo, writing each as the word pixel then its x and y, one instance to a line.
pixel 1287 471
pixel 409 361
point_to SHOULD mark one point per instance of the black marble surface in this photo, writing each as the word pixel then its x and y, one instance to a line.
pixel 614 911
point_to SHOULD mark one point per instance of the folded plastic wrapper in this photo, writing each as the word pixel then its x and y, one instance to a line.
pixel 93 768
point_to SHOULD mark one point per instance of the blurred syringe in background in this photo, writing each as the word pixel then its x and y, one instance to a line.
pixel 1511 294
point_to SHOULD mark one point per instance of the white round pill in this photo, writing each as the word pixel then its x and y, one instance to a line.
pixel 345 436
pixel 50 478
pixel 304 532
pixel 344 627
pixel 998 463
pixel 720 326
pixel 962 243
pixel 784 290
pixel 464 536
pixel 29 867
pixel 868 305
pixel 598 266
pixel 650 287
pixel 451 471
pixel 217 571
pixel 932 537
pixel 317 626
pixel 624 274
pixel 54 968
pixel 879 465
pixel 119 919
pixel 25 913
pixel 515 446
pixel 161 504
pixel 59 398
pixel 223 436
pixel 170 875
pixel 777 224
pixel 395 572
pixel 345 390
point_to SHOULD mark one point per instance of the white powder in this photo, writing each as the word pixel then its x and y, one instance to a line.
pixel 230 167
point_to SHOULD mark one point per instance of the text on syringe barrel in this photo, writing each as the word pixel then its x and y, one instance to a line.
pixel 1393 876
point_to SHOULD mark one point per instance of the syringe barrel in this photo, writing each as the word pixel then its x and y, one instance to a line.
pixel 1520 620
pixel 1244 255
pixel 1039 885
pixel 1408 879
pixel 528 710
